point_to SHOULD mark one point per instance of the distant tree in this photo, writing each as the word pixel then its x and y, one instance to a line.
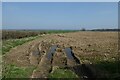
pixel 83 29
pixel 105 30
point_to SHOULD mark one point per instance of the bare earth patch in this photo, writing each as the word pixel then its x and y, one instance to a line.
pixel 89 48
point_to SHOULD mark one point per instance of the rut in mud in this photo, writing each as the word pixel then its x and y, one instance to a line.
pixel 55 56
pixel 62 51
pixel 45 57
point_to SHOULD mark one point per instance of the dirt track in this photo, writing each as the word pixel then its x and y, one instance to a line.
pixel 82 44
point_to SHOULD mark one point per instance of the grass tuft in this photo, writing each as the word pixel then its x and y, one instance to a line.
pixel 12 71
pixel 63 73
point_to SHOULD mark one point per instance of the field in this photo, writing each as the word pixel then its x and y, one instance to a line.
pixel 17 34
pixel 81 54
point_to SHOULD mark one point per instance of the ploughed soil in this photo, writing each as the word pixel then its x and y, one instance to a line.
pixel 76 51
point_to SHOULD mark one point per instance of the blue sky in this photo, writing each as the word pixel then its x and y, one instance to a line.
pixel 60 0
pixel 59 15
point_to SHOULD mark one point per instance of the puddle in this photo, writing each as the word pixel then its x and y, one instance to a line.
pixel 70 55
pixel 51 51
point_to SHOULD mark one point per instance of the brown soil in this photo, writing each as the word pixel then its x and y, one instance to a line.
pixel 83 44
pixel 59 59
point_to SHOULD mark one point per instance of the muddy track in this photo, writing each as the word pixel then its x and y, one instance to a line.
pixel 61 51
pixel 47 57
pixel 54 57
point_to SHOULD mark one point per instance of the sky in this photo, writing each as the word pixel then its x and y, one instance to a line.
pixel 60 0
pixel 59 15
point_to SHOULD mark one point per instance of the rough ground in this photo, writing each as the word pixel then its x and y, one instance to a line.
pixel 87 48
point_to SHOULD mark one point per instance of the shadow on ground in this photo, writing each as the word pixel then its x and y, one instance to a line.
pixel 100 71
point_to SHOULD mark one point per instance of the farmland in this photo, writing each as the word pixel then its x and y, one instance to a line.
pixel 12 38
pixel 57 54
pixel 17 34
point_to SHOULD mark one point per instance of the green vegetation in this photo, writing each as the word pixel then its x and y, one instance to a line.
pixel 63 73
pixel 8 44
pixel 12 71
pixel 112 68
